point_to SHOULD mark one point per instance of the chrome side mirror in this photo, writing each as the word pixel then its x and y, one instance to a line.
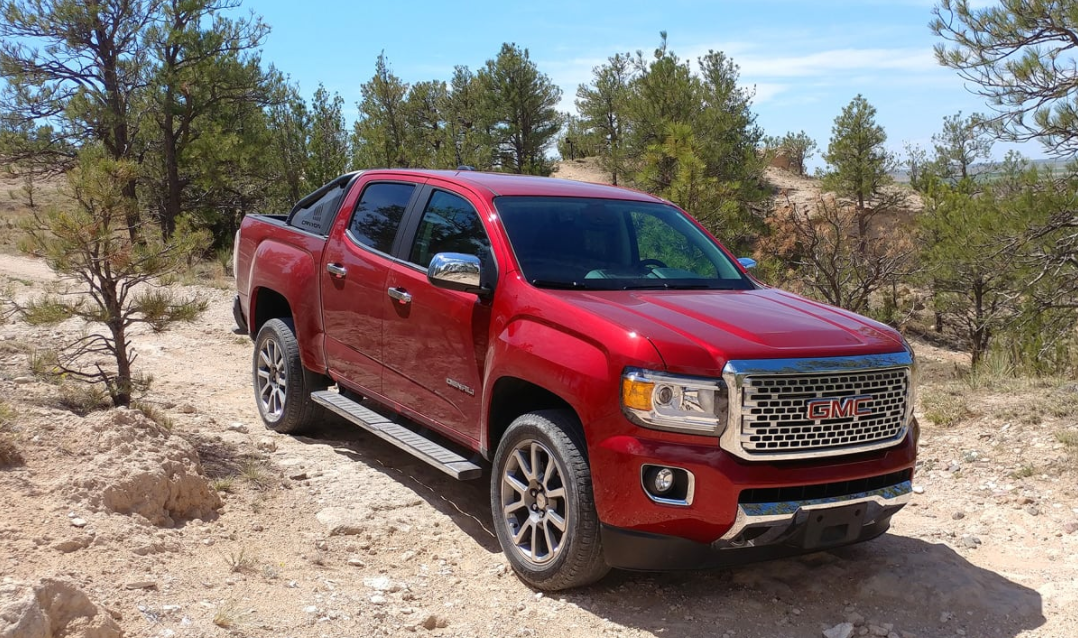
pixel 456 271
pixel 746 262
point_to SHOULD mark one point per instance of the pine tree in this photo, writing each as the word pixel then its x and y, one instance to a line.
pixel 429 143
pixel 378 140
pixel 204 62
pixel 287 122
pixel 523 103
pixel 328 144
pixel 960 145
pixel 859 164
pixel 79 64
pixel 88 243
pixel 602 108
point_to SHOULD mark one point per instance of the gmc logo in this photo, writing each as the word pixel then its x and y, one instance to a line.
pixel 837 408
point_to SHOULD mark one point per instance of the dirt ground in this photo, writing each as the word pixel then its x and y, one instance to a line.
pixel 243 532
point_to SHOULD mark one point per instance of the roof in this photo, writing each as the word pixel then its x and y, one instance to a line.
pixel 509 185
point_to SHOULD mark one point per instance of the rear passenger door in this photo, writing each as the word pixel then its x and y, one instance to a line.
pixel 436 339
pixel 355 266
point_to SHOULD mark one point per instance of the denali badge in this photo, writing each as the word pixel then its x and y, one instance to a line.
pixel 453 383
pixel 837 408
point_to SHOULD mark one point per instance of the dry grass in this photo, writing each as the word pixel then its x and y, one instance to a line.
pixel 9 449
pixel 82 398
pixel 945 407
pixel 15 208
pixel 154 413
pixel 241 562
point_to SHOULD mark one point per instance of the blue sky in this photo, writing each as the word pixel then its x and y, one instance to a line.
pixel 806 58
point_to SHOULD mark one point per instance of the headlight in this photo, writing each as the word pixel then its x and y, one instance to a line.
pixel 693 405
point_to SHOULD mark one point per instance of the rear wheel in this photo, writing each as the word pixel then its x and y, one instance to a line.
pixel 282 387
pixel 541 498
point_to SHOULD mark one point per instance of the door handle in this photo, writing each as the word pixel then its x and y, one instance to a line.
pixel 336 270
pixel 400 295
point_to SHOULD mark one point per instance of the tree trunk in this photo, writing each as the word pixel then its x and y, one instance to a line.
pixel 173 188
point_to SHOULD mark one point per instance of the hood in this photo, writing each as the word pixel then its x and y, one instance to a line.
pixel 736 324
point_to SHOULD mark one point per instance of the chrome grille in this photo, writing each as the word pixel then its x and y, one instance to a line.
pixel 775 419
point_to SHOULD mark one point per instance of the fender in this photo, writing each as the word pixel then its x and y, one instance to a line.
pixel 292 272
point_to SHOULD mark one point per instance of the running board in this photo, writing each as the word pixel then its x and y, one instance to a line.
pixel 416 444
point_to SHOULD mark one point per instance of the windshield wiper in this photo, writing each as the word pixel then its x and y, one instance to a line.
pixel 669 286
pixel 559 285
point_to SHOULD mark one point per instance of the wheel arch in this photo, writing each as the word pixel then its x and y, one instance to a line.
pixel 267 304
pixel 512 397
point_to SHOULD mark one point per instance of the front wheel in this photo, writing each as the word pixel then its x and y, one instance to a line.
pixel 541 498
pixel 282 387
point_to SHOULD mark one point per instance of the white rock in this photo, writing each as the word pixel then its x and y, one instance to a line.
pixel 918 489
pixel 238 427
pixel 841 630
pixel 343 521
pixel 78 522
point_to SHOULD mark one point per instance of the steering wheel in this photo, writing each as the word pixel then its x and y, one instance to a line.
pixel 651 263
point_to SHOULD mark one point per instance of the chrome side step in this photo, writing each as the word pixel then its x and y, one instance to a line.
pixel 416 444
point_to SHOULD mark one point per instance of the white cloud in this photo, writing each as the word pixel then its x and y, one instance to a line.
pixel 836 61
pixel 766 91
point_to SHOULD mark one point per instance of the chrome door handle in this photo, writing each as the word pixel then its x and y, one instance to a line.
pixel 336 270
pixel 400 295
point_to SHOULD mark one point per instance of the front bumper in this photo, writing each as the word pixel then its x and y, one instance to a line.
pixel 642 551
pixel 763 531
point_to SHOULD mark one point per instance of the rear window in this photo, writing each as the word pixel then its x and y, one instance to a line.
pixel 318 217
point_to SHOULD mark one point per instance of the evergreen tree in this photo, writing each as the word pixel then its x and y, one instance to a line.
pixel 602 108
pixel 798 147
pixel 88 243
pixel 429 144
pixel 204 61
pixel 378 140
pixel 328 144
pixel 523 104
pixel 1020 55
pixel 469 121
pixel 960 145
pixel 287 122
pixel 859 164
pixel 78 64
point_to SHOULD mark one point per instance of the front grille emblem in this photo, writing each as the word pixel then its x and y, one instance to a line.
pixel 838 407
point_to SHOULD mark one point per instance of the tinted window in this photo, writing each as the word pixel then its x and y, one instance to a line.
pixel 449 225
pixel 318 217
pixel 569 242
pixel 378 214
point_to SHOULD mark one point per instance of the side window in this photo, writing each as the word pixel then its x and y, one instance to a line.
pixel 318 217
pixel 449 225
pixel 378 214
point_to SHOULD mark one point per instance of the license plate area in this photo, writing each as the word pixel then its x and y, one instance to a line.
pixel 834 526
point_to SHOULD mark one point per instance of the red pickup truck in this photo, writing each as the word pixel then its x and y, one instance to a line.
pixel 640 401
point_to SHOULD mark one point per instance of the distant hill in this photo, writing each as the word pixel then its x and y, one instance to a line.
pixel 985 170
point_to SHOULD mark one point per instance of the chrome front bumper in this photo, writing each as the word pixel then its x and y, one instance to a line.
pixel 761 524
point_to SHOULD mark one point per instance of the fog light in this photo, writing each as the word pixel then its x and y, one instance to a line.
pixel 662 480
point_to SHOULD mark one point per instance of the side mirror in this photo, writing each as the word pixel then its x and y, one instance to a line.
pixel 746 262
pixel 456 271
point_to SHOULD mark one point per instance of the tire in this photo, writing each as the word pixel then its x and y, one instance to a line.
pixel 541 499
pixel 282 387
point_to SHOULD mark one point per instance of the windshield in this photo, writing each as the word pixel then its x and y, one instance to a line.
pixel 607 244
